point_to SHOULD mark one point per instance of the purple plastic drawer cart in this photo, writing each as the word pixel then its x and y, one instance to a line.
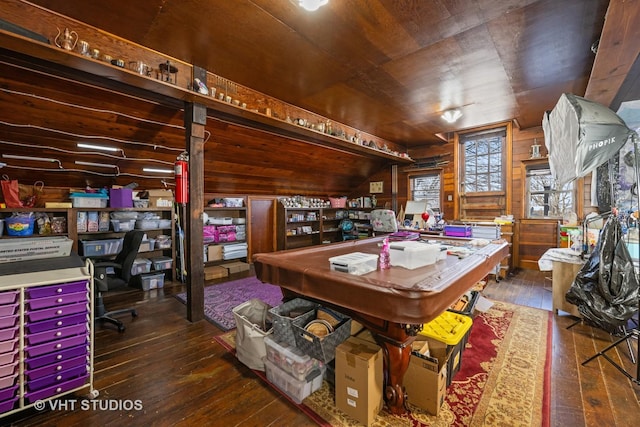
pixel 46 326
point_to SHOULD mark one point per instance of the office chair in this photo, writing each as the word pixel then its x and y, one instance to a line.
pixel 105 280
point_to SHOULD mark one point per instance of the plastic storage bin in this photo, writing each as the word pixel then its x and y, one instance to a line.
pixel 411 254
pixel 163 242
pixel 101 247
pixel 19 225
pixel 290 359
pixel 162 263
pixel 457 230
pixel 123 225
pixel 296 389
pixel 357 263
pixel 151 281
pixel 89 200
pixel 140 265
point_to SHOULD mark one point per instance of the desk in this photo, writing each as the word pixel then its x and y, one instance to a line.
pixel 393 304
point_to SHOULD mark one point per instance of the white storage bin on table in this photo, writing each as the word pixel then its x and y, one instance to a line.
pixel 413 254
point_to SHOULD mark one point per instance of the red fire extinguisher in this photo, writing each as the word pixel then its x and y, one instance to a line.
pixel 181 169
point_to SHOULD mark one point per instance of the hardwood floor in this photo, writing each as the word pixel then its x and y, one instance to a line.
pixel 175 374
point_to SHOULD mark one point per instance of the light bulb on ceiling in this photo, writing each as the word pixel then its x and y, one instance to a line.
pixel 311 5
pixel 451 115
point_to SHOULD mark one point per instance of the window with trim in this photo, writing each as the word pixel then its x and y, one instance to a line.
pixel 482 159
pixel 543 196
pixel 426 186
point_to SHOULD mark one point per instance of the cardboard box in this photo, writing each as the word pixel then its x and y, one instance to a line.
pixel 160 198
pixel 425 380
pixel 358 379
pixel 215 272
pixel 214 252
pixel 236 266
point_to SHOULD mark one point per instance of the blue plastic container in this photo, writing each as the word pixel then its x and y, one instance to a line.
pixel 19 226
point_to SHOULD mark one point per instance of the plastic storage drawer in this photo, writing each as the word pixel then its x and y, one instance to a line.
pixel 53 312
pixel 57 378
pixel 56 367
pixel 31 397
pixel 38 350
pixel 8 369
pixel 51 290
pixel 9 333
pixel 9 380
pixel 8 321
pixel 8 405
pixel 53 334
pixel 45 325
pixel 8 309
pixel 8 393
pixel 57 357
pixel 6 358
pixel 8 297
pixel 57 300
pixel 8 346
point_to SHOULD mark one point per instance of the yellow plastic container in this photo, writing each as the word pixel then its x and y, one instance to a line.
pixel 449 328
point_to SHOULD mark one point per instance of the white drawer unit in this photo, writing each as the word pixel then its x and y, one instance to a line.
pixel 46 335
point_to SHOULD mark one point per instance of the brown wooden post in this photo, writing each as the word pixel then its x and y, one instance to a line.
pixel 195 120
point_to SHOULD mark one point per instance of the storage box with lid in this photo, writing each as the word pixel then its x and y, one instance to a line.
pixel 162 263
pixel 163 242
pixel 413 254
pixel 101 247
pixel 150 281
pixel 89 200
pixel 297 390
pixel 449 332
pixel 357 263
pixel 457 230
pixel 290 359
pixel 140 265
pixel 119 225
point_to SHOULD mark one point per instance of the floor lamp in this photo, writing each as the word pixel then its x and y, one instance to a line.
pixel 633 333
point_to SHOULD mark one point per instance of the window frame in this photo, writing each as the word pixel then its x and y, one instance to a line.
pixel 543 163
pixel 503 161
pixel 426 172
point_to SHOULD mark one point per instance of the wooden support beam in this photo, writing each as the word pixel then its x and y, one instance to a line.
pixel 195 120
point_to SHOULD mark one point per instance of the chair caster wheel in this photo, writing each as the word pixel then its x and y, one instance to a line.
pixel 134 314
pixel 121 328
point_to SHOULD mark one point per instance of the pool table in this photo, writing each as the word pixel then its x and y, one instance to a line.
pixel 393 303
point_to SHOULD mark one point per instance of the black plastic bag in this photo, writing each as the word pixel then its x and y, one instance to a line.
pixel 605 290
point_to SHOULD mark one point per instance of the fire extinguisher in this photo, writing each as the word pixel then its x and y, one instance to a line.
pixel 181 169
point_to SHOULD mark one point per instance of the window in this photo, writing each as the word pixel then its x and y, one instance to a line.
pixel 482 160
pixel 544 199
pixel 426 187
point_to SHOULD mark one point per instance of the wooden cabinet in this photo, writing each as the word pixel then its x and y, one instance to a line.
pixel 47 332
pixel 301 227
pixel 225 233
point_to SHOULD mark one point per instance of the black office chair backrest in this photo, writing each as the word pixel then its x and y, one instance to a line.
pixel 129 252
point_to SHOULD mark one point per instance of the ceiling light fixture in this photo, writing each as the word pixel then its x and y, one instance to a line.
pixel 155 170
pixel 311 5
pixel 451 115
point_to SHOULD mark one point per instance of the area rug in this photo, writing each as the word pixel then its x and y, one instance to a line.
pixel 504 379
pixel 220 299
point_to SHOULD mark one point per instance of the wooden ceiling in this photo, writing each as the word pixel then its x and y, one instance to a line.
pixel 387 67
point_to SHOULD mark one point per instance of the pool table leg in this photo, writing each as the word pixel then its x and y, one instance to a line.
pixel 396 342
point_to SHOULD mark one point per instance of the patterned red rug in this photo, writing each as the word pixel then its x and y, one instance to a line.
pixel 503 379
